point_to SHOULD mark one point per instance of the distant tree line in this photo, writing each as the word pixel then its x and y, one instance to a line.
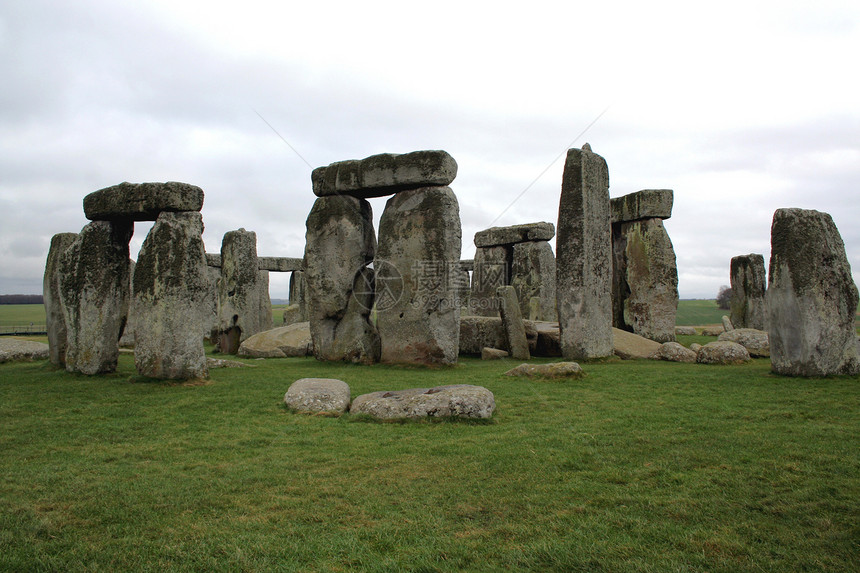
pixel 21 299
pixel 724 297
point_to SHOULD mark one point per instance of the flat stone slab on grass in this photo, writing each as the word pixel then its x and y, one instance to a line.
pixel 674 352
pixel 454 401
pixel 722 352
pixel 14 350
pixel 281 342
pixel 141 201
pixel 554 370
pixel 496 236
pixel 318 395
pixel 629 346
pixel 755 341
pixel 384 174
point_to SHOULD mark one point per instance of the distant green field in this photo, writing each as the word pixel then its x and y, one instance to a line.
pixel 15 317
pixel 699 312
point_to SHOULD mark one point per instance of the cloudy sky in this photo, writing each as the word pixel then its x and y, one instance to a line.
pixel 739 107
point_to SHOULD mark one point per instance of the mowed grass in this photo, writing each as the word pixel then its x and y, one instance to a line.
pixel 640 466
pixel 697 312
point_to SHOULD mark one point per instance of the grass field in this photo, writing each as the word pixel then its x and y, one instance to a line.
pixel 640 466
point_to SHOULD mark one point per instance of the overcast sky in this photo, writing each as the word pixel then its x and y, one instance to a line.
pixel 739 107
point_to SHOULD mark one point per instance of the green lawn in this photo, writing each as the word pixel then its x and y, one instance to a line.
pixel 640 466
pixel 699 312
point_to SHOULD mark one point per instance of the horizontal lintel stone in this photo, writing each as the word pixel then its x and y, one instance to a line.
pixel 645 204
pixel 274 264
pixel 496 236
pixel 141 201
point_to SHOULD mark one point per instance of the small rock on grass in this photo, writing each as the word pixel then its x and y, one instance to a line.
pixel 722 352
pixel 493 353
pixel 553 370
pixel 674 352
pixel 318 395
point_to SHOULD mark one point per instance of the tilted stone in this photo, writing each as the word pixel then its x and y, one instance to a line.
pixel 94 292
pixel 318 395
pixel 727 324
pixel 584 257
pixel 645 204
pixel 512 321
pixel 533 276
pixel 749 284
pixel 493 354
pixel 455 401
pixel 811 297
pixel 55 322
pixel 384 174
pixel 419 240
pixel 171 298
pixel 339 285
pixel 141 201
pixel 629 346
pixel 495 236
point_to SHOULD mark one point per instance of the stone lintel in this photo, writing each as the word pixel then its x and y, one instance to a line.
pixel 274 264
pixel 141 201
pixel 496 236
pixel 645 204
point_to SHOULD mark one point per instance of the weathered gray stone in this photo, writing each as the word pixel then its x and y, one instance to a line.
pixel 749 284
pixel 280 264
pixel 645 279
pixel 141 201
pixel 384 174
pixel 244 307
pixel 213 260
pixel 554 370
pixel 685 331
pixel 457 400
pixel 171 298
pixel 811 297
pixel 318 395
pixel 722 352
pixel 293 314
pixel 533 276
pixel 512 322
pixel 695 347
pixel 15 350
pixel 94 280
pixel 497 236
pixel 727 324
pixel 584 257
pixel 629 346
pixel 755 341
pixel 298 293
pixel 284 341
pixel 419 240
pixel 339 285
pixel 492 270
pixel 55 322
pixel 674 352
pixel 713 330
pixel 493 354
pixel 645 204
pixel 477 332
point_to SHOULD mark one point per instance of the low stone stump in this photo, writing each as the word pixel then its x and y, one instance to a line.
pixel 14 350
pixel 493 354
pixel 454 401
pixel 318 395
pixel 554 370
pixel 282 342
pixel 674 352
pixel 722 352
pixel 755 341
pixel 685 331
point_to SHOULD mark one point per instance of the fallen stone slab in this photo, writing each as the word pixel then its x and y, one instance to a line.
pixel 318 395
pixel 685 331
pixel 722 352
pixel 141 201
pixel 554 370
pixel 223 363
pixel 498 236
pixel 16 350
pixel 384 174
pixel 645 204
pixel 493 354
pixel 457 400
pixel 674 352
pixel 282 342
pixel 629 346
pixel 755 341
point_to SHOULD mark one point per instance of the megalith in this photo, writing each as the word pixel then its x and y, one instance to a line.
pixel 584 257
pixel 644 269
pixel 94 281
pixel 512 322
pixel 811 297
pixel 340 244
pixel 492 270
pixel 419 247
pixel 533 277
pixel 54 320
pixel 170 299
pixel 749 284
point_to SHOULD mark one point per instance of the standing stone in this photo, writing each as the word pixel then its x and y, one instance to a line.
pixel 54 320
pixel 584 257
pixel 340 244
pixel 512 320
pixel 492 270
pixel 749 309
pixel 533 276
pixel 811 297
pixel 94 279
pixel 170 299
pixel 419 241
pixel 244 308
pixel 297 295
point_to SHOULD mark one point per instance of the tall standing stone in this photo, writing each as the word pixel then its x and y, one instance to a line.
pixel 811 297
pixel 584 257
pixel 55 322
pixel 512 321
pixel 94 280
pixel 749 284
pixel 492 270
pixel 533 276
pixel 171 298
pixel 339 285
pixel 297 294
pixel 419 241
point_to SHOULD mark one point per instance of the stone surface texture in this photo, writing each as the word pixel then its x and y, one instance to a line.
pixel 685 331
pixel 811 297
pixel 755 341
pixel 533 277
pixel 457 400
pixel 722 352
pixel 15 350
pixel 584 257
pixel 496 236
pixel 629 346
pixel 478 332
pixel 492 270
pixel 553 370
pixel 645 204
pixel 512 322
pixel 749 284
pixel 713 330
pixel 384 174
pixel 284 341
pixel 339 285
pixel 141 201
pixel 316 395
pixel 171 299
pixel 55 322
pixel 419 240
pixel 727 324
pixel 493 354
pixel 674 352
